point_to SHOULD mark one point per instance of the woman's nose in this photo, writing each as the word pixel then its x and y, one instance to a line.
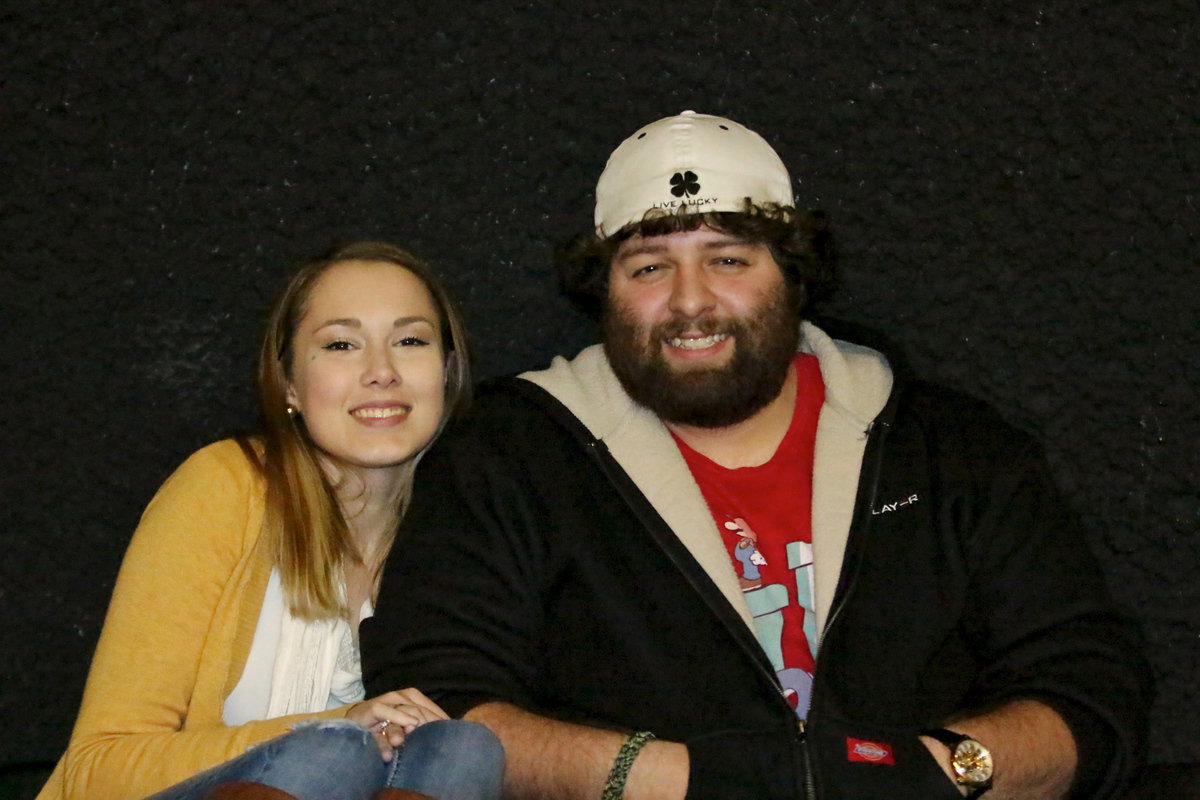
pixel 380 368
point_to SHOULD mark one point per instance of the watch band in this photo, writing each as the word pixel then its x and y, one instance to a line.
pixel 952 739
pixel 945 736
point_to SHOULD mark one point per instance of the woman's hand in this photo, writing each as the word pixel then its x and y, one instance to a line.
pixel 390 716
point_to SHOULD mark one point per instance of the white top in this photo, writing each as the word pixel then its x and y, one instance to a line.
pixel 295 666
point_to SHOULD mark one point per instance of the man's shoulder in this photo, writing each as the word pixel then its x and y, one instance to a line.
pixel 511 394
pixel 510 409
pixel 959 426
pixel 580 391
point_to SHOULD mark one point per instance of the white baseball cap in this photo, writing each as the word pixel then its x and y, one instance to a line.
pixel 690 163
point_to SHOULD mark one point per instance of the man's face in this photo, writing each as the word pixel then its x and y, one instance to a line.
pixel 698 326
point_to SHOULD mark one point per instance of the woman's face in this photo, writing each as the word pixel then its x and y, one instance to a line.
pixel 367 370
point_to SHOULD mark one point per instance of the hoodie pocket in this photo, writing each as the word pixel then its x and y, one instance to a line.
pixel 866 762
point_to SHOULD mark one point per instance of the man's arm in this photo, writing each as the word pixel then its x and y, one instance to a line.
pixel 1060 670
pixel 553 760
pixel 1032 750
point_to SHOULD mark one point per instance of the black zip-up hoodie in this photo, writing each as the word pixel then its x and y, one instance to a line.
pixel 559 556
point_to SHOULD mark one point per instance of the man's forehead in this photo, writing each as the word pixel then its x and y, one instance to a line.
pixel 703 237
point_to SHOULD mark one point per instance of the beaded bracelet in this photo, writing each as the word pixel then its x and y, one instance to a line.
pixel 614 787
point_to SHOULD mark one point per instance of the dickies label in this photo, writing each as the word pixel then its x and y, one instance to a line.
pixel 863 751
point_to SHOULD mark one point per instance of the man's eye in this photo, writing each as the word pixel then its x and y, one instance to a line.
pixel 339 344
pixel 646 270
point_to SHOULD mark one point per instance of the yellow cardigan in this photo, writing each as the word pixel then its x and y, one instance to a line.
pixel 175 640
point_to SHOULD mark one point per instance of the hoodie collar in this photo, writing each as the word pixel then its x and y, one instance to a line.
pixel 858 382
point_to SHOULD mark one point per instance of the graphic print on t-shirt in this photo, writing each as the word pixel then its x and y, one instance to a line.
pixel 746 553
pixel 764 516
pixel 778 606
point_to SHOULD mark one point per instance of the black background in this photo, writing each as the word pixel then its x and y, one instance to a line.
pixel 1013 185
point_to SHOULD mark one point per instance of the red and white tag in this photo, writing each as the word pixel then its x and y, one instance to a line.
pixel 867 752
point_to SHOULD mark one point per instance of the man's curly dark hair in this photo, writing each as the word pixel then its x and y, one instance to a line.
pixel 800 241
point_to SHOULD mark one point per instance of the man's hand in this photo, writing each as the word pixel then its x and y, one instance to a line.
pixel 552 760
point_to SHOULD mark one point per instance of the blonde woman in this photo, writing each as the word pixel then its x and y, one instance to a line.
pixel 229 652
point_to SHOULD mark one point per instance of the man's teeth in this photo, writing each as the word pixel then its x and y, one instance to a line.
pixel 697 343
pixel 380 413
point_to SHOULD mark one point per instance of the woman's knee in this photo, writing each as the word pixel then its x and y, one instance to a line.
pixel 341 737
pixel 456 736
pixel 339 749
pixel 450 758
pixel 455 756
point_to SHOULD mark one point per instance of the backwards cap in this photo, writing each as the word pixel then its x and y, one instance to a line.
pixel 706 163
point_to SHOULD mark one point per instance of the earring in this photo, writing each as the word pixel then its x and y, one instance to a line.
pixel 291 410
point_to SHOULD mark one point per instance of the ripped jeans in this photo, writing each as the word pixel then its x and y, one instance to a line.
pixel 339 760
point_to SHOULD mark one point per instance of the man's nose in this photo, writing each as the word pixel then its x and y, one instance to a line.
pixel 691 294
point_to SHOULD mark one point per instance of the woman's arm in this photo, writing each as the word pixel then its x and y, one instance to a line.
pixel 187 590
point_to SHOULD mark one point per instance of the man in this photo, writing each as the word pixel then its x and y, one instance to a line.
pixel 723 555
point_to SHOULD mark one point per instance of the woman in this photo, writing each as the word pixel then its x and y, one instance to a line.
pixel 235 615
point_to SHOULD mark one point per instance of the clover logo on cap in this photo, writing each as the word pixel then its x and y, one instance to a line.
pixel 685 184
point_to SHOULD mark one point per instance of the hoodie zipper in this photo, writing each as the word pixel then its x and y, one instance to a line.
pixel 860 523
pixel 810 783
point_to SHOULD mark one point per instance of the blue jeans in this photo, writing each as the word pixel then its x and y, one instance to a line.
pixel 339 760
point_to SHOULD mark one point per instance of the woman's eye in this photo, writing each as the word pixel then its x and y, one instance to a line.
pixel 339 344
pixel 412 341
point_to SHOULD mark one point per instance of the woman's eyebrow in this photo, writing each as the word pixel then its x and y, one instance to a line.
pixel 402 321
pixel 348 322
pixel 351 322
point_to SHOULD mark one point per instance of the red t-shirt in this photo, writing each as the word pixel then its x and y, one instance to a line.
pixel 764 515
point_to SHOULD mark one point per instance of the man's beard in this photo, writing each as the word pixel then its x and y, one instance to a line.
pixel 764 347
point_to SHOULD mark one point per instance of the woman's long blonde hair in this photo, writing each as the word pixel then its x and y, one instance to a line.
pixel 303 524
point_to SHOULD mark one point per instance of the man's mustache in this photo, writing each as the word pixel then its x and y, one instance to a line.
pixel 705 326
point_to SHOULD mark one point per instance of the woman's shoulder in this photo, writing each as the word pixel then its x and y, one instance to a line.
pixel 238 454
pixel 215 494
pixel 233 462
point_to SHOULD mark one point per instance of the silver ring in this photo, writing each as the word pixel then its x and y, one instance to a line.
pixel 383 725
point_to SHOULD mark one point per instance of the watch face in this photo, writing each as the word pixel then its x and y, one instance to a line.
pixel 972 763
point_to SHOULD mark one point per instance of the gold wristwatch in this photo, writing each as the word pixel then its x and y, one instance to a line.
pixel 970 761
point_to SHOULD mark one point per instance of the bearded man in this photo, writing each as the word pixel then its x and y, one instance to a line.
pixel 723 555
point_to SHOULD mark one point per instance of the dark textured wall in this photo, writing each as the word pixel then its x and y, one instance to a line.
pixel 1013 184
